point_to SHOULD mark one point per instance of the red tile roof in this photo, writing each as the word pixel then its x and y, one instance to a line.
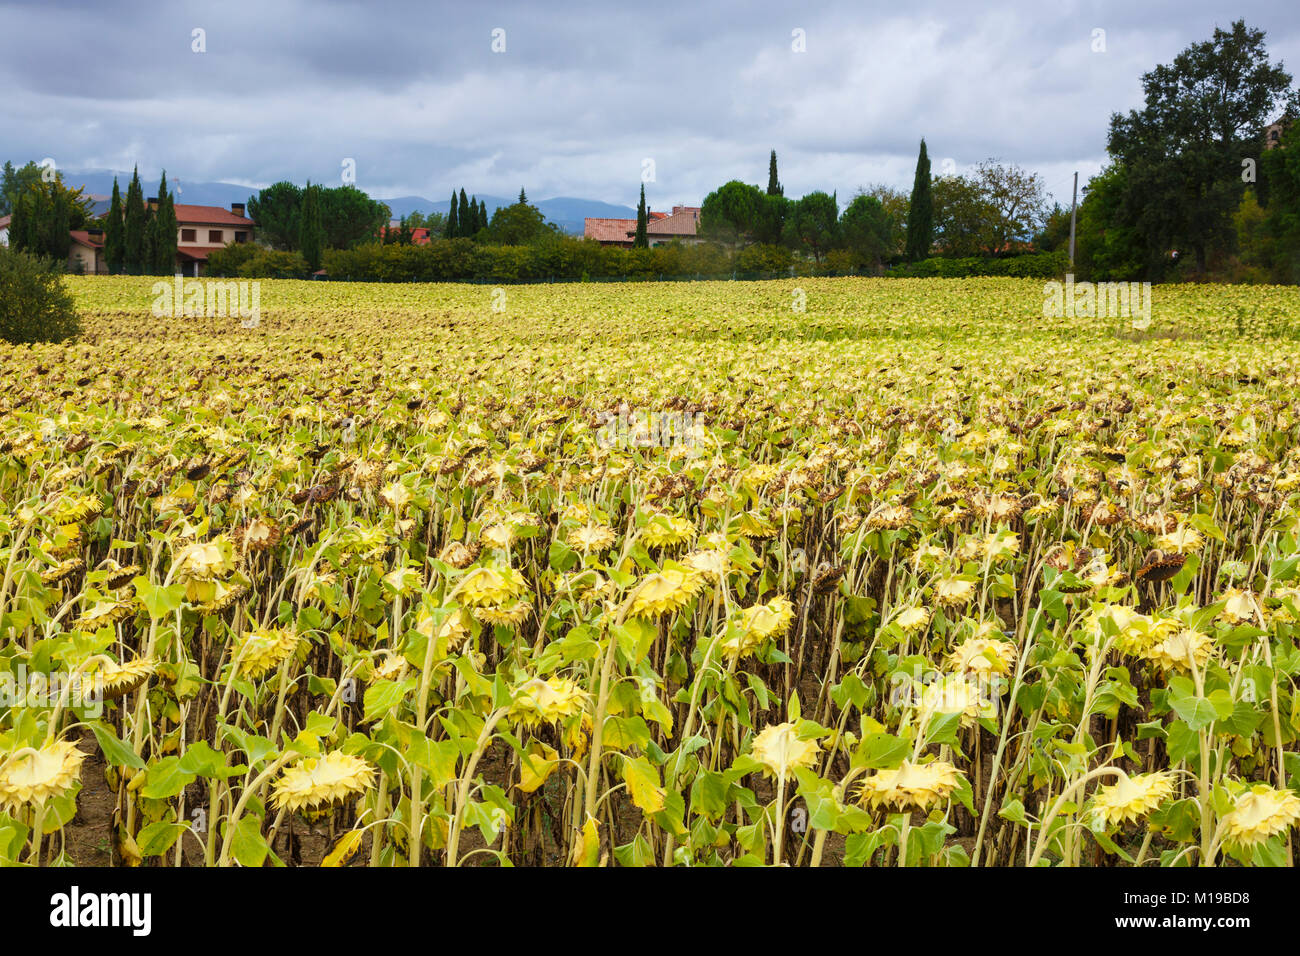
pixel 82 237
pixel 208 216
pixel 4 221
pixel 683 222
pixel 609 230
pixel 197 253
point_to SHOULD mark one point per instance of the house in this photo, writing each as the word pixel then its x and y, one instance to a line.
pixel 1273 133
pixel 4 229
pixel 86 254
pixel 419 236
pixel 203 229
pixel 681 224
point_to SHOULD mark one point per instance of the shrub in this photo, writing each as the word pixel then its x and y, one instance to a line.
pixel 34 304
pixel 227 260
pixel 271 264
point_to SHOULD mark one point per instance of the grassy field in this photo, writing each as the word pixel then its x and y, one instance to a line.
pixel 822 572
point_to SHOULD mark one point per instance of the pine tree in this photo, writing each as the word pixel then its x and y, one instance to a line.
pixel 523 200
pixel 311 233
pixel 162 233
pixel 133 237
pixel 774 188
pixel 920 212
pixel 452 229
pixel 114 241
pixel 642 240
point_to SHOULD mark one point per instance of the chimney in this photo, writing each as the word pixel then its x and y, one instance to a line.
pixel 95 235
pixel 237 208
pixel 152 203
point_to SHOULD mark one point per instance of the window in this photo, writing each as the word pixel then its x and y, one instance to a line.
pixel 214 235
pixel 189 235
pixel 241 237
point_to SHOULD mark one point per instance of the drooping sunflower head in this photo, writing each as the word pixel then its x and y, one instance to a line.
pixel 591 537
pixel 29 776
pixel 1260 812
pixel 1132 797
pixel 263 650
pixel 780 750
pixel 315 781
pixel 910 786
pixel 666 591
pixel 983 657
pixel 544 701
pixel 491 586
pixel 667 531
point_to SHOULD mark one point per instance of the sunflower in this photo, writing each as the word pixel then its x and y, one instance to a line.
pixel 668 590
pixel 120 577
pixel 258 535
pixel 667 531
pixel 544 701
pixel 116 679
pixel 458 555
pixel 1132 797
pixel 1180 650
pixel 454 628
pixel 889 518
pixel 983 657
pixel 104 614
pixel 753 525
pixel 499 535
pixel 314 781
pixel 911 785
pixel 591 537
pixel 1259 812
pixel 491 586
pixel 62 571
pixel 503 615
pixel 1182 541
pixel 757 624
pixel 954 591
pixel 779 749
pixel 199 566
pixel 912 619
pixel 1239 606
pixel 957 694
pixel 264 650
pixel 713 565
pixel 30 776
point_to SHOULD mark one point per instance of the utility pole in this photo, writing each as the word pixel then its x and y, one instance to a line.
pixel 1074 207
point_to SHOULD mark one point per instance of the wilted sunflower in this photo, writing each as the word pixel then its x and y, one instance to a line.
pixel 664 592
pixel 454 628
pixel 983 657
pixel 544 701
pixel 115 679
pixel 911 785
pixel 1239 606
pixel 591 537
pixel 30 776
pixel 1132 797
pixel 62 571
pixel 1180 650
pixel 1182 541
pixel 120 577
pixel 104 614
pixel 957 694
pixel 912 619
pixel 511 615
pixel 314 781
pixel 491 586
pixel 667 531
pixel 758 623
pixel 1260 812
pixel 779 749
pixel 953 591
pixel 258 535
pixel 263 650
pixel 753 525
pixel 458 555
pixel 200 565
pixel 889 518
pixel 712 564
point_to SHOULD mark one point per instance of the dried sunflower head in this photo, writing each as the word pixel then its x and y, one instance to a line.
pixel 1260 812
pixel 669 590
pixel 544 701
pixel 314 781
pixel 1132 797
pixel 911 785
pixel 780 750
pixel 263 650
pixel 29 776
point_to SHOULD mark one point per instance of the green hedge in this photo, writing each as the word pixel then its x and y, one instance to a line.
pixel 1041 265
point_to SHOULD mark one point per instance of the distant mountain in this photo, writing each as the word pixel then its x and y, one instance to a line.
pixel 565 211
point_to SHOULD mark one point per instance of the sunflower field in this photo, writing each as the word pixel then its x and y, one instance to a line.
pixel 860 573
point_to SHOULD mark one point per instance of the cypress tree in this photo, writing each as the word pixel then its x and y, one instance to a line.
pixel 920 212
pixel 466 217
pixel 114 245
pixel 162 231
pixel 642 240
pixel 311 233
pixel 473 217
pixel 133 228
pixel 523 200
pixel 452 229
pixel 774 188
pixel 482 214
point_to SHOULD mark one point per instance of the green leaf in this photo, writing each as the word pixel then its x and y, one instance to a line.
pixel 115 752
pixel 165 778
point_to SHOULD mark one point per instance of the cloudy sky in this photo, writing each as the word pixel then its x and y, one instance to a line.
pixel 584 94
